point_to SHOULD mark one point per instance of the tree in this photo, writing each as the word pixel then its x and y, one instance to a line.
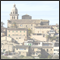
pixel 14 25
pixel 29 32
pixel 49 57
pixel 53 38
pixel 39 55
pixel 47 36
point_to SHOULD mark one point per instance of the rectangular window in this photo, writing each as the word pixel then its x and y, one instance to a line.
pixel 20 31
pixel 16 31
pixel 13 31
pixel 9 31
pixel 26 25
pixel 16 38
pixel 20 25
pixel 24 31
pixel 47 50
pixel 51 49
pixel 9 34
pixel 16 48
pixel 19 37
pixel 21 49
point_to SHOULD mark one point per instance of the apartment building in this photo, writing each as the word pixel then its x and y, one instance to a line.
pixel 42 29
pixel 56 48
pixel 21 50
pixel 56 28
pixel 7 44
pixel 36 50
pixel 18 34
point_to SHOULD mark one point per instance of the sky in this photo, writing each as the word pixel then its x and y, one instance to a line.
pixel 47 10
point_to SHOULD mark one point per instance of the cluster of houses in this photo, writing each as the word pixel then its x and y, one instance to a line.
pixel 16 38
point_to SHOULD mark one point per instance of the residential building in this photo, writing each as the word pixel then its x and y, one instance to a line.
pixel 21 50
pixel 56 48
pixel 18 34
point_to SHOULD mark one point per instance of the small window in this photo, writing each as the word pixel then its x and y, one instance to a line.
pixel 51 49
pixel 16 31
pixel 54 53
pixel 24 31
pixel 16 38
pixel 16 48
pixel 19 37
pixel 16 12
pixel 14 17
pixel 9 34
pixel 47 50
pixel 43 35
pixel 13 31
pixel 9 31
pixel 26 25
pixel 20 31
pixel 20 25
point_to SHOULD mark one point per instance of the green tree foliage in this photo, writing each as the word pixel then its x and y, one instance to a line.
pixel 53 38
pixel 49 57
pixel 39 55
pixel 29 32
pixel 47 36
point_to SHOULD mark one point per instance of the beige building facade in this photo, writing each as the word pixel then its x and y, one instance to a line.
pixel 19 34
pixel 25 22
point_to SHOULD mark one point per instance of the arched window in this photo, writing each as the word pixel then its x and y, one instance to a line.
pixel 16 12
pixel 13 12
pixel 47 50
pixel 12 17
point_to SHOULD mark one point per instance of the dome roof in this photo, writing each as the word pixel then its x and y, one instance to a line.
pixel 14 10
pixel 26 16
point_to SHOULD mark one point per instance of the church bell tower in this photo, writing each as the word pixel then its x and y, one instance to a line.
pixel 14 13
